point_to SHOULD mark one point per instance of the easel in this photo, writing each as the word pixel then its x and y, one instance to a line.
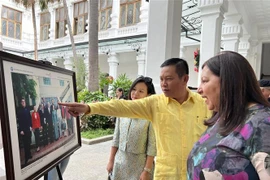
pixel 58 172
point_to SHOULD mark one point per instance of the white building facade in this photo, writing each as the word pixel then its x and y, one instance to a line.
pixel 136 36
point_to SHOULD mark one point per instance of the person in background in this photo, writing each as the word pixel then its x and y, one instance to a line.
pixel 55 120
pixel 25 127
pixel 177 117
pixel 236 144
pixel 120 93
pixel 49 121
pixel 265 88
pixel 44 125
pixel 36 127
pixel 133 149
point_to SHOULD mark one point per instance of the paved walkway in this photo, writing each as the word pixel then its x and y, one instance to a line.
pixel 89 162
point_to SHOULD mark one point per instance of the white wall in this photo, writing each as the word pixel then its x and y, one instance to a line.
pixel 103 63
pixel 127 64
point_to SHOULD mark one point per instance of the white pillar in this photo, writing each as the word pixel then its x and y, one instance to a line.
pixel 244 46
pixel 182 52
pixel 231 32
pixel 142 25
pixel 1 46
pixel 38 27
pixel 141 63
pixel 70 14
pixel 115 16
pixel 212 17
pixel 163 37
pixel 113 64
pixel 252 57
pixel 86 62
pixel 68 63
pixel 144 11
pixel 52 24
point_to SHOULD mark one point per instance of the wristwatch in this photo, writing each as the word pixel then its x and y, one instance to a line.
pixel 147 170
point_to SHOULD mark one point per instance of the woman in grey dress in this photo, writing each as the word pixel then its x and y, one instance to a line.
pixel 134 147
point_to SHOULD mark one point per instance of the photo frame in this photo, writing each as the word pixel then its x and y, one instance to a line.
pixel 37 132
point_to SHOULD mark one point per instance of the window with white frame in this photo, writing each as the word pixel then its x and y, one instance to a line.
pixel 11 23
pixel 129 12
pixel 105 11
pixel 46 81
pixel 62 82
pixel 45 20
pixel 80 16
pixel 60 19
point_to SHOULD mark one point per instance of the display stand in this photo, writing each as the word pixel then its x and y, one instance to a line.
pixel 58 172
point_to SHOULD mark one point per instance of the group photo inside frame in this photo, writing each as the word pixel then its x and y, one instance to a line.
pixel 37 132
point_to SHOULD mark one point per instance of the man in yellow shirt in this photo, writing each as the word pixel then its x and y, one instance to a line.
pixel 177 116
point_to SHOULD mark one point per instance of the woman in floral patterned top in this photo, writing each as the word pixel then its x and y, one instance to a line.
pixel 134 146
pixel 236 145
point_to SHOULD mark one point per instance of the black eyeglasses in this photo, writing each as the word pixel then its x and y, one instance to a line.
pixel 146 79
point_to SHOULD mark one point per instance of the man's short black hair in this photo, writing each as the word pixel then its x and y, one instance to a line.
pixel 181 66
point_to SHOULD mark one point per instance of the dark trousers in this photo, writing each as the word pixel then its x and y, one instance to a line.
pixel 45 134
pixel 26 145
pixel 37 137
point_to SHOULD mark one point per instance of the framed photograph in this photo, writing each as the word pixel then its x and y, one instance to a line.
pixel 37 132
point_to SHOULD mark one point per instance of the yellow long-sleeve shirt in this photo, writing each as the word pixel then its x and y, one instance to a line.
pixel 177 127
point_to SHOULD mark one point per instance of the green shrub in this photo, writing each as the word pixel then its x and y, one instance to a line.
pixel 123 82
pixel 94 121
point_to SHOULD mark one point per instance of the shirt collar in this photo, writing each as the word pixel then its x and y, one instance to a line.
pixel 190 97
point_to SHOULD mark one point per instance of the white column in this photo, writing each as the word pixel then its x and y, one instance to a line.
pixel 141 63
pixel 212 17
pixel 113 64
pixel 115 14
pixel 52 24
pixel 252 57
pixel 1 46
pixel 70 14
pixel 244 46
pixel 258 47
pixel 144 11
pixel 38 26
pixel 182 52
pixel 142 26
pixel 163 37
pixel 86 62
pixel 231 32
pixel 68 63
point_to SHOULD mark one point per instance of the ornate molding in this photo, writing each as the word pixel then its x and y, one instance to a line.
pixel 210 7
pixel 231 29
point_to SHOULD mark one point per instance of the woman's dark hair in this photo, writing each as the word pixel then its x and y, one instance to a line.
pixel 238 88
pixel 147 81
pixel 120 90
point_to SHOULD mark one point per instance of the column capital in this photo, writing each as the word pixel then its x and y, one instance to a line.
pixel 232 28
pixel 212 7
pixel 113 58
pixel 141 55
pixel 232 31
pixel 244 45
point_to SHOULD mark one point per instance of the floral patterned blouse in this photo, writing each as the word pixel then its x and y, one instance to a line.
pixel 232 157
